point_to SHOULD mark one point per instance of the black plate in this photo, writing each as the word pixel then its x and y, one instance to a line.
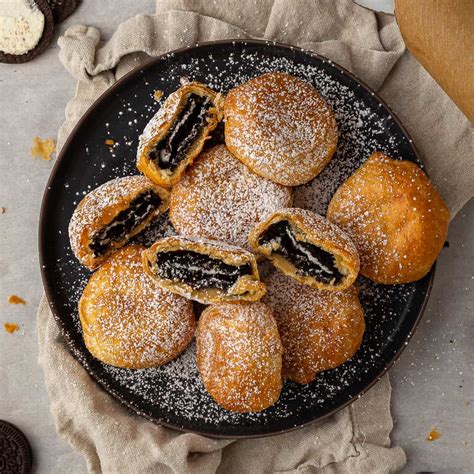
pixel 173 395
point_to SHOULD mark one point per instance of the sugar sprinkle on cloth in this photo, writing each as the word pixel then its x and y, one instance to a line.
pixel 369 44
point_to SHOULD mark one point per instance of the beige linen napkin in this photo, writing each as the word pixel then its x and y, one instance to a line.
pixel 357 438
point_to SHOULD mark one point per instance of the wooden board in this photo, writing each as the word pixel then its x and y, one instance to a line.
pixel 440 34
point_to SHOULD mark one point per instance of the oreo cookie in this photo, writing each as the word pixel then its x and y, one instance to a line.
pixel 62 8
pixel 15 451
pixel 26 29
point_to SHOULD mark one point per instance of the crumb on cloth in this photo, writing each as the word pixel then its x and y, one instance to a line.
pixel 43 148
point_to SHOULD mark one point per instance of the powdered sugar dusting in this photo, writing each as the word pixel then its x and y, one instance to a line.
pixel 319 329
pixel 239 355
pixel 281 127
pixel 174 392
pixel 219 198
pixel 128 320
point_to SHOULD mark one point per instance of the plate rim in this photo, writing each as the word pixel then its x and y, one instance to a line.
pixel 47 196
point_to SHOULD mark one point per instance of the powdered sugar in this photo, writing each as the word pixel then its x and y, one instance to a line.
pixel 280 127
pixel 239 355
pixel 219 198
pixel 319 329
pixel 128 320
pixel 174 392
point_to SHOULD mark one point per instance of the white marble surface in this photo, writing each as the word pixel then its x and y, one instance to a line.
pixel 432 382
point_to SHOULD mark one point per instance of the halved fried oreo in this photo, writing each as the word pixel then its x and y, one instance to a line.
pixel 308 248
pixel 204 271
pixel 110 215
pixel 176 133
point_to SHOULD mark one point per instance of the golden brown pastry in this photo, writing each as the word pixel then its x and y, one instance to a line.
pixel 176 133
pixel 128 320
pixel 308 248
pixel 239 356
pixel 204 271
pixel 319 330
pixel 110 215
pixel 280 127
pixel 395 217
pixel 220 199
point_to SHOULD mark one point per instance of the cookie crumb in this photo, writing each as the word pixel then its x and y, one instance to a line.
pixel 3 210
pixel 11 327
pixel 157 95
pixel 43 148
pixel 433 435
pixel 109 142
pixel 15 299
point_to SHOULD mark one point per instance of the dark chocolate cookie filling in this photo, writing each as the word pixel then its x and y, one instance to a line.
pixel 198 270
pixel 309 259
pixel 172 149
pixel 123 224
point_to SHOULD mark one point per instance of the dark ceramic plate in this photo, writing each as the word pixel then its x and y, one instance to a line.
pixel 173 395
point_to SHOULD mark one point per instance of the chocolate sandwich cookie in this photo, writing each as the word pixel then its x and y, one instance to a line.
pixel 110 215
pixel 204 271
pixel 26 29
pixel 15 451
pixel 176 134
pixel 62 8
pixel 308 248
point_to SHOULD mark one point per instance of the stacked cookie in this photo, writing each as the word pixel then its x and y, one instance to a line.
pixel 26 26
pixel 231 207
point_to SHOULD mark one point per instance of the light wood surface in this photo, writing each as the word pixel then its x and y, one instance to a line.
pixel 440 34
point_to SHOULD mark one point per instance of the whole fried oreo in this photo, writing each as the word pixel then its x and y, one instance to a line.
pixel 219 198
pixel 280 127
pixel 26 29
pixel 395 217
pixel 319 329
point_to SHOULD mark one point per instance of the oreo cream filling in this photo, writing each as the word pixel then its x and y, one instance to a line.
pixel 125 222
pixel 309 259
pixel 21 26
pixel 199 270
pixel 186 129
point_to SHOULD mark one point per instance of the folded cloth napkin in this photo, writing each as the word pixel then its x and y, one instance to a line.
pixel 356 439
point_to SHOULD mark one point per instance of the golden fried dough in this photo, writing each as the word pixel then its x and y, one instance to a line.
pixel 395 217
pixel 307 247
pixel 319 330
pixel 111 214
pixel 128 320
pixel 176 134
pixel 280 127
pixel 204 271
pixel 239 356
